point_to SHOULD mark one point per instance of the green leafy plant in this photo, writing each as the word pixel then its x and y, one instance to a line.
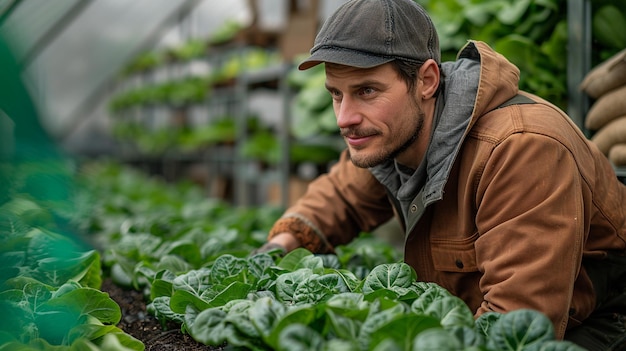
pixel 311 110
pixel 242 61
pixel 609 29
pixel 145 224
pixel 41 316
pixel 191 257
pixel 320 153
pixel 50 278
pixel 259 304
pixel 530 33
pixel 221 130
pixel 194 48
pixel 225 33
pixel 262 145
pixel 142 63
pixel 187 91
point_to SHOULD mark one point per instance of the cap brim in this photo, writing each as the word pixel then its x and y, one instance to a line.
pixel 343 57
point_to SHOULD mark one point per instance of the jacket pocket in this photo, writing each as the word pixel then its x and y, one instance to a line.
pixel 454 255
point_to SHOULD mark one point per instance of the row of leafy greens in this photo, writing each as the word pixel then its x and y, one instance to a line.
pixel 308 302
pixel 142 223
pixel 191 256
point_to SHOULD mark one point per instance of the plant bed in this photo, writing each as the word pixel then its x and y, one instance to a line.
pixel 145 327
pixel 160 267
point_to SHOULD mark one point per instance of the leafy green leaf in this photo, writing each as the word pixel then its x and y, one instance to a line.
pixel 513 13
pixel 318 288
pixel 352 305
pixel 173 263
pixel 378 318
pixel 436 339
pixel 160 307
pixel 226 266
pixel 480 13
pixel 432 293
pixel 209 327
pixel 58 316
pixel 388 276
pixel 518 329
pixel 350 281
pixel 258 265
pixel 298 337
pixel 265 313
pixel 119 341
pixel 451 311
pixel 238 316
pixel 328 120
pixel 560 345
pixel 388 345
pixel 609 26
pixel 18 320
pixel 287 284
pixel 468 336
pixel 403 329
pixel 235 290
pixel 291 260
pixel 305 315
pixel 161 287
pixel 485 321
pixel 90 302
pixel 312 262
pixel 195 281
pixel 342 325
pixel 182 298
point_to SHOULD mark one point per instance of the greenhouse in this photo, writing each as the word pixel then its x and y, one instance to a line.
pixel 313 175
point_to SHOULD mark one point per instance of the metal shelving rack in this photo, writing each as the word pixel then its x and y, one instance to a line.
pixel 245 182
pixel 578 57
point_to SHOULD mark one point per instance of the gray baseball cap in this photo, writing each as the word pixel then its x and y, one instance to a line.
pixel 368 33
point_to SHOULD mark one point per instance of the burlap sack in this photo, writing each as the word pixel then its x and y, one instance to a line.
pixel 606 108
pixel 617 154
pixel 611 134
pixel 606 76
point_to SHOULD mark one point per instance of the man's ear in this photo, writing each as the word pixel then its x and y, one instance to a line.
pixel 429 78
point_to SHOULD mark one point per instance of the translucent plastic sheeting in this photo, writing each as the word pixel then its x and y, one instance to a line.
pixel 28 22
pixel 73 49
pixel 5 4
pixel 92 45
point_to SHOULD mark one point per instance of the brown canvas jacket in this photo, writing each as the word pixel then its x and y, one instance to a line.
pixel 527 199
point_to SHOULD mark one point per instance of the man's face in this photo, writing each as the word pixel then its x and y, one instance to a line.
pixel 377 116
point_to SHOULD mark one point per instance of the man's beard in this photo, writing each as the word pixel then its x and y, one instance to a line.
pixel 384 156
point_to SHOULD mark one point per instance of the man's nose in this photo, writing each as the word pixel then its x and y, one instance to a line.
pixel 347 113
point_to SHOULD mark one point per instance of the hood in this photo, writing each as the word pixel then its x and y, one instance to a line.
pixel 499 78
pixel 479 81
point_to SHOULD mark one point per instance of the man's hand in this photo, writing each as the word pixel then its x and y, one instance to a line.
pixel 285 241
pixel 267 247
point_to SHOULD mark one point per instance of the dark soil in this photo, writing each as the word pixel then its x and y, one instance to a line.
pixel 145 327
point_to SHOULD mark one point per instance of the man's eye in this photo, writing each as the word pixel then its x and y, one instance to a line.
pixel 367 91
pixel 335 94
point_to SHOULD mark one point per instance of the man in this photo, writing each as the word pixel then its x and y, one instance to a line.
pixel 503 201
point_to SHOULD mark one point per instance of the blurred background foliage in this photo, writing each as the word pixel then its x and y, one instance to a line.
pixel 530 33
pixel 533 34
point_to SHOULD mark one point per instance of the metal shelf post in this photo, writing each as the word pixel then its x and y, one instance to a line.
pixel 578 58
